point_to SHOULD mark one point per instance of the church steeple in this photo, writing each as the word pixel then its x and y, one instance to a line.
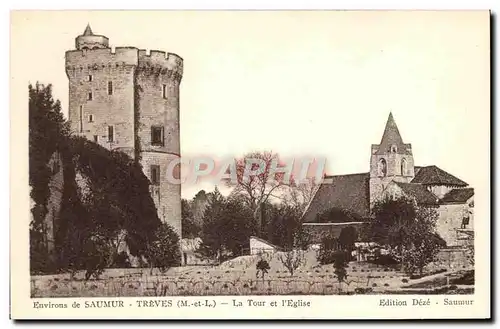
pixel 391 160
pixel 391 139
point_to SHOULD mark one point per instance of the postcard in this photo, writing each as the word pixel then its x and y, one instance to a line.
pixel 250 165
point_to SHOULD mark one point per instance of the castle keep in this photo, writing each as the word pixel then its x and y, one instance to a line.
pixel 128 100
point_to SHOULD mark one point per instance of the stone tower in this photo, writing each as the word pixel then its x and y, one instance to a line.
pixel 128 100
pixel 391 160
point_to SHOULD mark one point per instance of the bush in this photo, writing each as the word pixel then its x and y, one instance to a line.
pixel 121 261
pixel 328 247
pixel 466 279
pixel 164 250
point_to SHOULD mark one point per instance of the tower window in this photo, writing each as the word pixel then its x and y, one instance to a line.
pixel 164 91
pixel 394 149
pixel 91 118
pixel 81 118
pixel 90 96
pixel 403 167
pixel 382 168
pixel 91 78
pixel 111 134
pixel 155 174
pixel 157 135
pixel 110 88
pixel 96 138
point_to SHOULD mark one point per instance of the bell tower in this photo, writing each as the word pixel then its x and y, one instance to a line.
pixel 391 160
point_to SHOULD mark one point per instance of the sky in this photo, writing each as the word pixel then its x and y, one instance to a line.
pixel 318 84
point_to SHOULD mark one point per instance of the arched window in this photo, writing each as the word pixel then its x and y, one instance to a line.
pixel 382 168
pixel 394 149
pixel 403 167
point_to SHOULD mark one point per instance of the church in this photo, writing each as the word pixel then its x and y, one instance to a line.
pixel 392 173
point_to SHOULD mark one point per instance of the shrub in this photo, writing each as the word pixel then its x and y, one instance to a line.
pixel 164 251
pixel 262 268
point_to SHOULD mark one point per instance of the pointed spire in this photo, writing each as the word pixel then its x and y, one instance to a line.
pixel 391 137
pixel 88 30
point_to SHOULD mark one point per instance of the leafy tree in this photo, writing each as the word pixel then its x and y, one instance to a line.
pixel 46 127
pixel 407 231
pixel 212 230
pixel 281 222
pixel 104 193
pixel 227 227
pixel 190 229
pixel 347 238
pixel 340 262
pixel 336 215
pixel 329 246
pixel 164 250
pixel 262 268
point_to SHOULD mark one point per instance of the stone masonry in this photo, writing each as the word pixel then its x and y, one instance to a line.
pixel 128 100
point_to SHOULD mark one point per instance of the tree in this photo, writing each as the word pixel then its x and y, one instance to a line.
pixel 300 194
pixel 340 262
pixel 347 238
pixel 212 230
pixel 262 267
pixel 47 129
pixel 190 229
pixel 227 227
pixel 329 246
pixel 257 189
pixel 407 231
pixel 292 259
pixel 164 250
pixel 104 193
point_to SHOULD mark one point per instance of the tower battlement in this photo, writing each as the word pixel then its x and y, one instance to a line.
pixel 102 58
pixel 162 61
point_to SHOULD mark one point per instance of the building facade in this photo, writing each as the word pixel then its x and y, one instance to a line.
pixel 393 173
pixel 127 100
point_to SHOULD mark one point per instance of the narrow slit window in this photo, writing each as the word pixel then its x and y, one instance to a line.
pixel 81 118
pixel 96 138
pixel 91 118
pixel 111 132
pixel 157 136
pixel 164 91
pixel 91 78
pixel 155 174
pixel 90 96
pixel 110 88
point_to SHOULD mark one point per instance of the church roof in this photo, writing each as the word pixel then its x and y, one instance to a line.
pixel 88 31
pixel 459 195
pixel 391 137
pixel 346 192
pixel 432 175
pixel 419 192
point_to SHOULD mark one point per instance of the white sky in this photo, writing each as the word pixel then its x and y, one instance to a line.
pixel 302 83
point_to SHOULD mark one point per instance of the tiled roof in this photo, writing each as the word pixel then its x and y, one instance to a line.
pixel 432 175
pixel 419 192
pixel 346 192
pixel 459 195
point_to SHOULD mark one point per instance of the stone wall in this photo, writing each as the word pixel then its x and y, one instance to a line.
pixel 450 219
